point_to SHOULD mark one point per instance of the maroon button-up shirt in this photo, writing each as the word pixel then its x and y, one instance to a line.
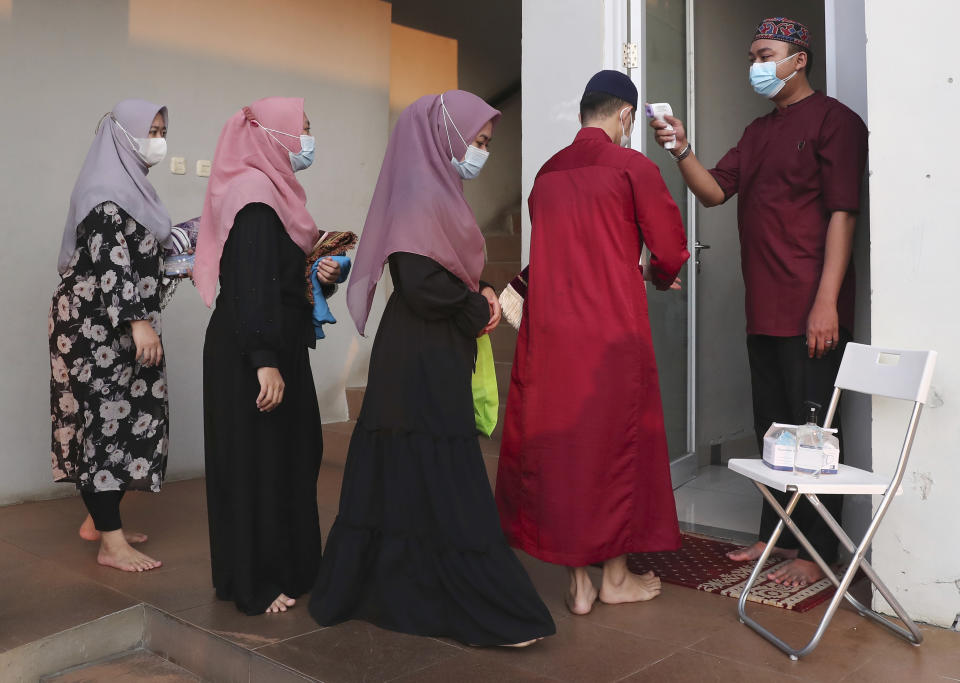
pixel 792 169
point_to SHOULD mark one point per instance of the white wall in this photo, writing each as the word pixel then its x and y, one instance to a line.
pixel 63 64
pixel 562 47
pixel 914 222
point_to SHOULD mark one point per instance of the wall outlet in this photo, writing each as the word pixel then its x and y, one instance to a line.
pixel 178 165
pixel 203 168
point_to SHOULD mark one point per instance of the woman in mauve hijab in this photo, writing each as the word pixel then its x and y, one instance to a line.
pixel 417 546
pixel 262 439
pixel 108 385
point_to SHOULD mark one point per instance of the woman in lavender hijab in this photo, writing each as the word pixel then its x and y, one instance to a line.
pixel 108 389
pixel 417 545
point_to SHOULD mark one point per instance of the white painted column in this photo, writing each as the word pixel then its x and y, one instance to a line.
pixel 913 95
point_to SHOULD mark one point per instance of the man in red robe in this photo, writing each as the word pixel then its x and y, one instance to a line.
pixel 584 475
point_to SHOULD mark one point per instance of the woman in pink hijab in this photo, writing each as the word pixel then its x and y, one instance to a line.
pixel 417 545
pixel 262 436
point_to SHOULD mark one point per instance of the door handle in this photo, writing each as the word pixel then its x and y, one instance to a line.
pixel 697 247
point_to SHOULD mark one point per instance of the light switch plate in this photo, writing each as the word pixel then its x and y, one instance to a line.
pixel 203 168
pixel 178 165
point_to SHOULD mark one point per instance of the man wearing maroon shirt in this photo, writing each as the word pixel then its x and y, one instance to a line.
pixel 797 172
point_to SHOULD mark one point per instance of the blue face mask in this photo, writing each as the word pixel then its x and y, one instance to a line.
pixel 473 160
pixel 304 158
pixel 301 159
pixel 763 77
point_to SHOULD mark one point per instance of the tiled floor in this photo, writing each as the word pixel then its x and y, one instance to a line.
pixel 49 581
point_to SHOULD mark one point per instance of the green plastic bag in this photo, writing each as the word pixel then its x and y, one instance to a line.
pixel 486 400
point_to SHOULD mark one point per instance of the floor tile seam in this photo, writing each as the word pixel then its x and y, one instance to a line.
pixel 865 662
pixel 23 550
pixel 645 667
pixel 286 640
pixel 74 573
pixel 424 668
pixel 752 665
pixel 458 647
pixel 172 613
pixel 276 662
pixel 662 641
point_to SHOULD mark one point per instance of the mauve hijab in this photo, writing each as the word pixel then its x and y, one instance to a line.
pixel 250 167
pixel 114 172
pixel 418 205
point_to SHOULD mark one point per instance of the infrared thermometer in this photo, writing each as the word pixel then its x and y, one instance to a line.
pixel 658 111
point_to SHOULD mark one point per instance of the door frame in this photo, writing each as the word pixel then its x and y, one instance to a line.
pixel 625 22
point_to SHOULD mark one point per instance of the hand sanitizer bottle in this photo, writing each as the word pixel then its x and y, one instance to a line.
pixel 809 458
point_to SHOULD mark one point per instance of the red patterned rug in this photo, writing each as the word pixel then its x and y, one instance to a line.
pixel 701 563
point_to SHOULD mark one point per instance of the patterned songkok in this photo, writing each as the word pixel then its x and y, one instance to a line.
pixel 787 30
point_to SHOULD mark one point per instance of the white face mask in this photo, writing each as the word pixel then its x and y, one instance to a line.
pixel 624 136
pixel 473 160
pixel 150 150
pixel 301 160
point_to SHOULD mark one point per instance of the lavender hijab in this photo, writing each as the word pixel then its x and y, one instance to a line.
pixel 418 205
pixel 114 172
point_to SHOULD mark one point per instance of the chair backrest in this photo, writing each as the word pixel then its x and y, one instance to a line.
pixel 895 373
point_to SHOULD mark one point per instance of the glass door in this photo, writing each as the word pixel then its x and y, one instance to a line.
pixel 662 30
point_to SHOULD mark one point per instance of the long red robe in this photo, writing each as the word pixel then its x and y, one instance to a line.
pixel 584 474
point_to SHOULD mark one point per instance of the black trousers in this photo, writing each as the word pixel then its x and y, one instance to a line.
pixel 783 378
pixel 104 507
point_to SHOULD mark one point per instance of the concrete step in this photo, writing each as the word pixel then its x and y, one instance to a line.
pixel 503 247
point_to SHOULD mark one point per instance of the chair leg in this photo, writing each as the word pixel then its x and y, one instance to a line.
pixel 842 584
pixel 912 633
pixel 785 519
pixel 758 569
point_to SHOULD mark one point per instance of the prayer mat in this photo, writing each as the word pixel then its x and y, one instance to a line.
pixel 701 563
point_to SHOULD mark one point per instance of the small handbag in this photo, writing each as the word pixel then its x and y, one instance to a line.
pixel 486 399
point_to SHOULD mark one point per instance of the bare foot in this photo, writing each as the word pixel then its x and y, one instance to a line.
pixel 752 552
pixel 526 643
pixel 582 593
pixel 631 588
pixel 797 573
pixel 281 604
pixel 88 532
pixel 116 552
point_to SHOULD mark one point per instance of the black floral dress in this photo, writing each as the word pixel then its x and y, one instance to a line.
pixel 108 412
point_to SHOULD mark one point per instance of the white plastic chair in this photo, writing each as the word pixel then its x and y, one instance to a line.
pixel 865 369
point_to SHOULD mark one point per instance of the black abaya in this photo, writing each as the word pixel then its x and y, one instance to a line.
pixel 261 467
pixel 417 546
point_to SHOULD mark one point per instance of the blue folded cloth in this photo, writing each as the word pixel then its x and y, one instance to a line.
pixel 321 311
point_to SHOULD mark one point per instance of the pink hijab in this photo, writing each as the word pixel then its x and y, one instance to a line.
pixel 418 205
pixel 249 167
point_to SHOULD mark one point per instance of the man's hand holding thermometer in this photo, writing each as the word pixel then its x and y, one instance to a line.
pixel 669 130
pixel 659 112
